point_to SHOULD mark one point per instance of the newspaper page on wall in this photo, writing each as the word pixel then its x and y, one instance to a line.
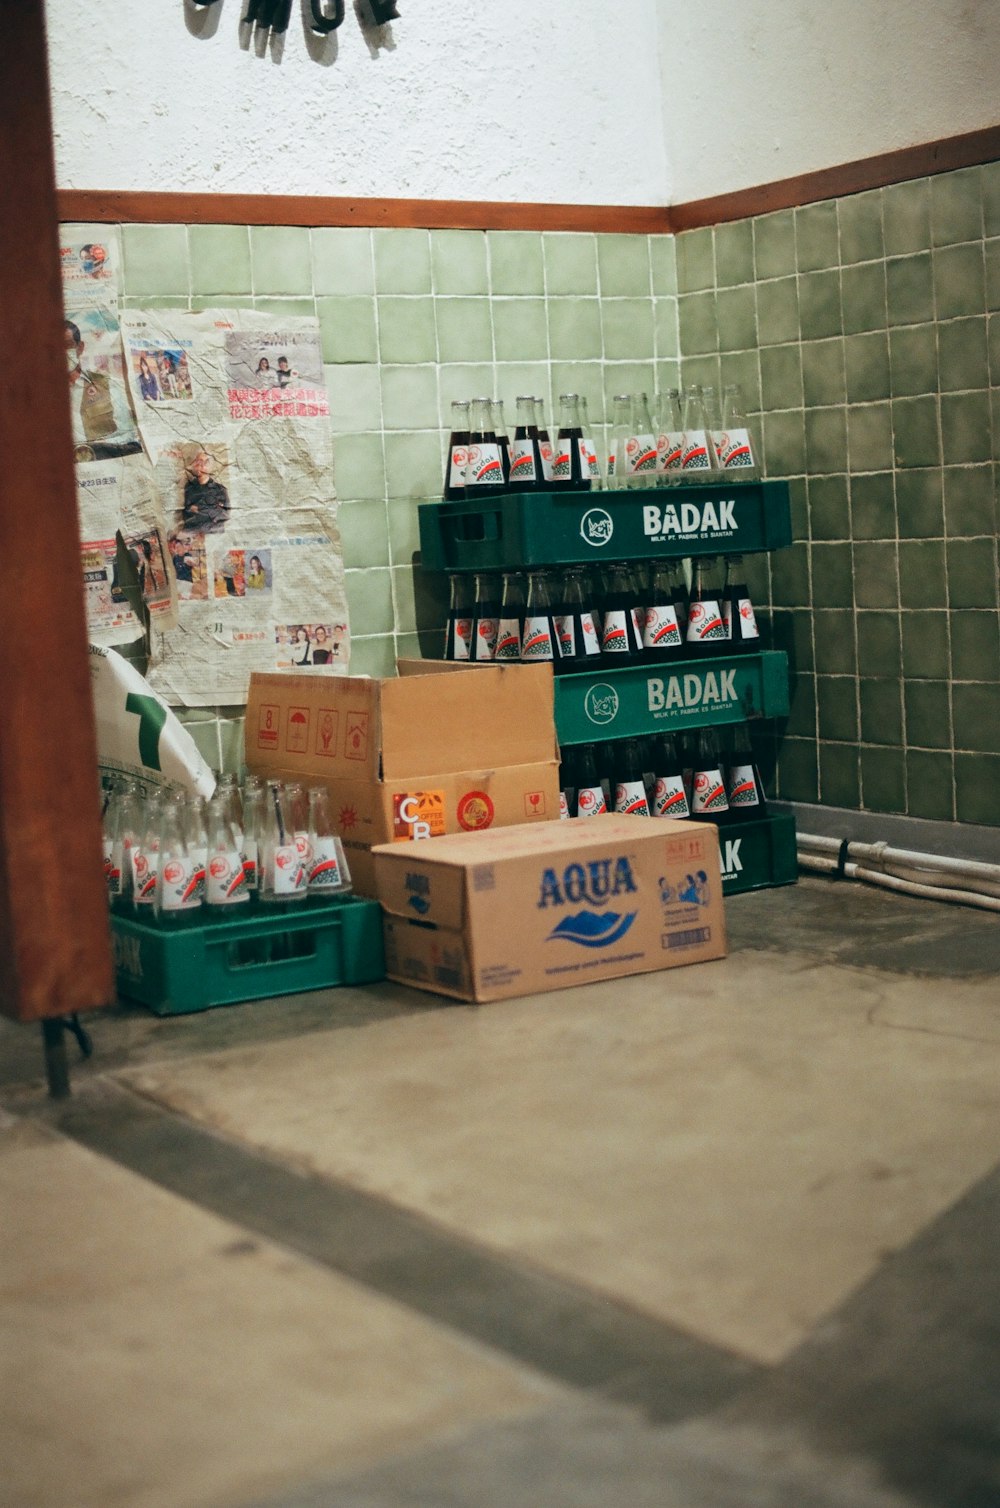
pixel 116 491
pixel 234 416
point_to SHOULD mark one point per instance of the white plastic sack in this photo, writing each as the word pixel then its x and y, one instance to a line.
pixel 137 733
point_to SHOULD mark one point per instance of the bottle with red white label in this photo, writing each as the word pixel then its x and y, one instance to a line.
pixel 591 798
pixel 283 870
pixel 630 787
pixel 589 445
pixel 737 609
pixel 712 411
pixel 525 455
pixel 640 446
pixel 539 640
pixel 177 896
pixel 662 635
pixel 696 454
pixel 461 609
pixel 621 433
pixel 567 784
pixel 669 439
pixel 225 876
pixel 503 439
pixel 507 649
pixel 545 448
pixel 253 832
pixel 146 856
pixel 485 619
pixel 706 629
pixel 621 617
pixel 733 445
pixel 576 624
pixel 485 473
pixel 709 801
pixel 328 877
pixel 670 797
pixel 111 834
pixel 744 787
pixel 196 835
pixel 457 463
pixel 571 462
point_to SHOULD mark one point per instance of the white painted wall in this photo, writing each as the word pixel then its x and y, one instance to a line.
pixel 759 90
pixel 473 99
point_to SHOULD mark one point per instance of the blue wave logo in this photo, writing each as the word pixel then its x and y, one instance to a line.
pixel 419 904
pixel 593 931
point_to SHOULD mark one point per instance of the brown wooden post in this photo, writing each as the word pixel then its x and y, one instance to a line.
pixel 55 955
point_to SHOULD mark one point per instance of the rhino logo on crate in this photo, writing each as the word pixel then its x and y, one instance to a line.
pixel 597 527
pixel 601 703
pixel 590 885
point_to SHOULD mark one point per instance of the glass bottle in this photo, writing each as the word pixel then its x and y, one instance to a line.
pixel 525 458
pixel 283 876
pixel 590 446
pixel 567 783
pixel 737 609
pixel 196 836
pixel 640 448
pixel 591 798
pixel 621 433
pixel 253 833
pixel 508 641
pixel 579 642
pixel 486 614
pixel 621 637
pixel 662 638
pixel 630 788
pixel 177 896
pixel 744 787
pixel 328 876
pixel 458 453
pixel 484 477
pixel 696 465
pixel 670 439
pixel 225 874
pixel 669 791
pixel 146 856
pixel 708 788
pixel 544 445
pixel 706 631
pixel 458 636
pixel 111 834
pixel 539 641
pixel 733 444
pixel 713 425
pixel 570 466
pixel 503 439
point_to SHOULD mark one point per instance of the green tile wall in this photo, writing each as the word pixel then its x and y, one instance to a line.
pixel 870 330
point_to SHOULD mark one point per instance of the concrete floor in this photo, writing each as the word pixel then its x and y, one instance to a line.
pixel 721 1236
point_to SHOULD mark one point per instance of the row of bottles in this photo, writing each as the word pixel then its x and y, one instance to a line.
pixel 684 437
pixel 618 614
pixel 173 857
pixel 705 776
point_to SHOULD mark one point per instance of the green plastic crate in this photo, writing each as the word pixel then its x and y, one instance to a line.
pixel 177 971
pixel 642 699
pixel 559 528
pixel 758 855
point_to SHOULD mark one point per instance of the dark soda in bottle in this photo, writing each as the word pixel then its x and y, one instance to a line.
pixel 630 788
pixel 621 627
pixel 737 609
pixel 539 641
pixel 744 788
pixel 670 798
pixel 485 620
pixel 709 801
pixel 706 629
pixel 571 461
pixel 525 455
pixel 484 476
pixel 458 639
pixel 579 641
pixel 662 638
pixel 511 615
pixel 591 799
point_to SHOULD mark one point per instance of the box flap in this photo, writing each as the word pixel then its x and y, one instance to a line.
pixel 489 716
pixel 418 889
pixel 308 725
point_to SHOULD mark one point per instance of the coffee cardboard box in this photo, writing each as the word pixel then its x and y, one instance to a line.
pixel 414 757
pixel 487 915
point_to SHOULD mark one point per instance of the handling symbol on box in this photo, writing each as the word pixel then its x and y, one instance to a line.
pixel 534 803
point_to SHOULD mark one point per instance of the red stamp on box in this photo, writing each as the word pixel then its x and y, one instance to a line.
pixel 534 803
pixel 267 727
pixel 475 811
pixel 297 730
pixel 356 736
pixel 326 733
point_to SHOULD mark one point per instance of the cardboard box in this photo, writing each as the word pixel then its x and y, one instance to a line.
pixel 484 916
pixel 419 756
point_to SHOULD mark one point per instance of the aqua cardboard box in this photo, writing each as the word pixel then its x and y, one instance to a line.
pixel 411 757
pixel 516 911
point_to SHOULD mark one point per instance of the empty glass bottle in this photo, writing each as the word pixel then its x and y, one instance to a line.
pixel 328 876
pixel 696 464
pixel 457 463
pixel 225 874
pixel 669 439
pixel 641 445
pixel 177 893
pixel 733 444
pixel 621 433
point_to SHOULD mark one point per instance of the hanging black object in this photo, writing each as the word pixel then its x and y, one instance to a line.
pixel 269 15
pixel 384 10
pixel 322 22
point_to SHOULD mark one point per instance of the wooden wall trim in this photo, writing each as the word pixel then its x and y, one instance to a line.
pixel 55 948
pixel 109 205
pixel 124 207
pixel 923 161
